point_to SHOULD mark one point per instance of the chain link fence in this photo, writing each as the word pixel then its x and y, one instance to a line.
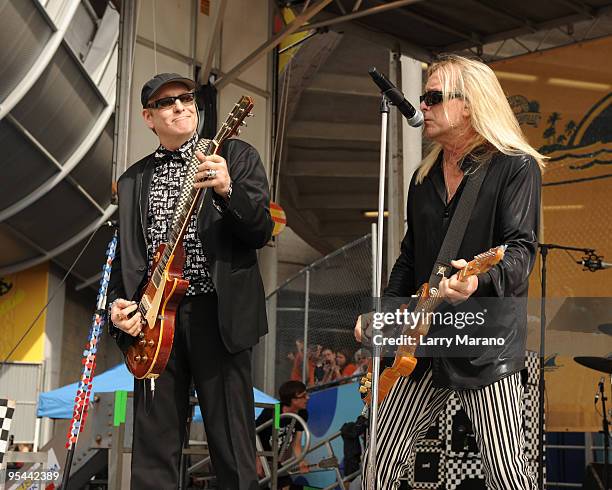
pixel 315 314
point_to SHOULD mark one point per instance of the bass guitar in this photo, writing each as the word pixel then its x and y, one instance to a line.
pixel 425 301
pixel 148 354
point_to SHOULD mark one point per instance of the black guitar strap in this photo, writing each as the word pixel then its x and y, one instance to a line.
pixel 456 228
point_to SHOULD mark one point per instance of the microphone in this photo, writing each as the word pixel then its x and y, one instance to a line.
pixel 396 97
pixel 594 264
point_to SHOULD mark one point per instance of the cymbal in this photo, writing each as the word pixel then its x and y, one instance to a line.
pixel 602 364
pixel 606 328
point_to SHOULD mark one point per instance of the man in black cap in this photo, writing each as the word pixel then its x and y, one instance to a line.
pixel 223 312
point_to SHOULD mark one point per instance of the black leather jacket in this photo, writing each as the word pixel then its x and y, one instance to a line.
pixel 506 212
pixel 230 239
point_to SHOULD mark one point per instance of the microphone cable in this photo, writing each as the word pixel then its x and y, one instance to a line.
pixel 55 291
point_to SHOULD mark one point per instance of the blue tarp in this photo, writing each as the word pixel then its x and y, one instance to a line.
pixel 58 403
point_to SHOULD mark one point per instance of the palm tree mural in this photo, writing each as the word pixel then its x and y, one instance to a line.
pixel 553 118
pixel 5 287
pixel 549 134
pixel 551 131
pixel 570 127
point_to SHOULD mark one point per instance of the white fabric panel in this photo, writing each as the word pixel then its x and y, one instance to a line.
pixel 173 20
pixel 245 28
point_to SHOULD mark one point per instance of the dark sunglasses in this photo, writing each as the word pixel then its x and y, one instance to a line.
pixel 186 99
pixel 433 97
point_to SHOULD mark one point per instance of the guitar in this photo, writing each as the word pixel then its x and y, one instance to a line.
pixel 426 301
pixel 323 465
pixel 148 354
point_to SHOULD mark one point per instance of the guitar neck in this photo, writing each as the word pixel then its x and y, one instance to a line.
pixel 186 205
pixel 429 301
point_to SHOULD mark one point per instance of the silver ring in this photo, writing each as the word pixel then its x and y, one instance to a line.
pixel 211 173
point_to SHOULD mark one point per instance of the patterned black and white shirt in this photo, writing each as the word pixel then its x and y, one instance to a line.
pixel 168 175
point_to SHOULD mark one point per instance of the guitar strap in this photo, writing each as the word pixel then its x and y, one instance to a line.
pixel 456 228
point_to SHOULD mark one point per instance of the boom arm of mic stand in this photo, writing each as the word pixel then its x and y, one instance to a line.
pixel 544 249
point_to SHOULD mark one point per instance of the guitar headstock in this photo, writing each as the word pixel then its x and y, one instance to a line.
pixel 235 119
pixel 484 261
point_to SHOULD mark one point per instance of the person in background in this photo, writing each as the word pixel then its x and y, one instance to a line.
pixel 362 360
pixel 331 372
pixel 293 399
pixel 345 367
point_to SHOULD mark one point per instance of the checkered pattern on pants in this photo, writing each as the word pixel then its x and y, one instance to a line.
pixel 496 415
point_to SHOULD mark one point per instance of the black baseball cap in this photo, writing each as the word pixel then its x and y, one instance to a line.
pixel 158 81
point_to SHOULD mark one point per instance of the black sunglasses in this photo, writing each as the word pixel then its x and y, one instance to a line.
pixel 433 97
pixel 186 99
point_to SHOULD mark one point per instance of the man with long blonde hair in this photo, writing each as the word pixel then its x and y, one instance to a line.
pixel 473 130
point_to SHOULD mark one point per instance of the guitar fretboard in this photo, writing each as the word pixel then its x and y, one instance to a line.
pixel 187 200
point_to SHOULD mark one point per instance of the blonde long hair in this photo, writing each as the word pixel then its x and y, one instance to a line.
pixel 491 115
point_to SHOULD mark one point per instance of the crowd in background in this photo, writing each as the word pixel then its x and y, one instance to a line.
pixel 325 365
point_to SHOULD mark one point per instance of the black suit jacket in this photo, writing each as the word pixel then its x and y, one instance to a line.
pixel 230 240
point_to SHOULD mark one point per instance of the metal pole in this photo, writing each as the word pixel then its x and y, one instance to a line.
pixel 305 346
pixel 127 41
pixel 541 449
pixel 271 43
pixel 371 463
pixel 374 242
pixel 356 15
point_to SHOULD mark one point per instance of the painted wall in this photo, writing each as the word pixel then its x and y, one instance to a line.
pixel 22 297
pixel 563 100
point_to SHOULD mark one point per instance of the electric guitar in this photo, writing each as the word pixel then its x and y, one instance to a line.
pixel 426 301
pixel 148 354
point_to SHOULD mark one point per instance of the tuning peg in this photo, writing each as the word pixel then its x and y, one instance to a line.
pixel 250 114
pixel 238 132
pixel 363 390
pixel 243 123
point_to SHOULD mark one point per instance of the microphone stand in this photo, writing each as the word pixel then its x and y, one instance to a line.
pixel 544 249
pixel 605 431
pixel 370 472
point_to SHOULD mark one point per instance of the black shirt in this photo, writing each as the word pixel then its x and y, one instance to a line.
pixel 168 175
pixel 285 432
pixel 506 212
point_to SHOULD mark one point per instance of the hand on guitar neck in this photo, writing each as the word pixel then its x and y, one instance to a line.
pixel 455 290
pixel 458 288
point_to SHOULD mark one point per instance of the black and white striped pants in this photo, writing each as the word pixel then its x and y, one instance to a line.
pixel 496 415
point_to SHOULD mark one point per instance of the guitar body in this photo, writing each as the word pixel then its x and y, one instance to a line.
pixel 149 353
pixel 404 362
pixel 402 366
